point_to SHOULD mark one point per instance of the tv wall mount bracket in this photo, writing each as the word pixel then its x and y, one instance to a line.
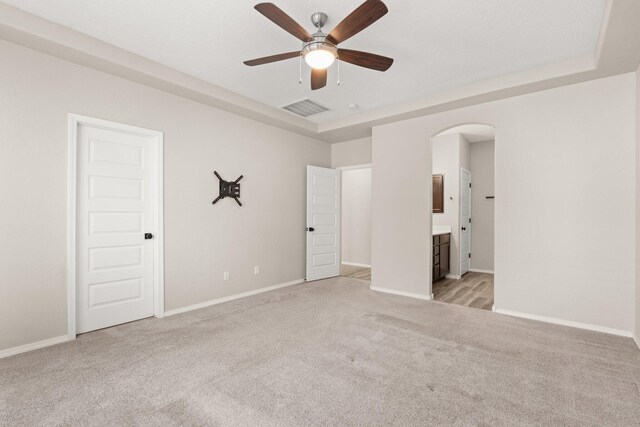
pixel 228 189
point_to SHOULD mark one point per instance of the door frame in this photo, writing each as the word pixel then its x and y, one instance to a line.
pixel 351 168
pixel 339 225
pixel 463 170
pixel 76 120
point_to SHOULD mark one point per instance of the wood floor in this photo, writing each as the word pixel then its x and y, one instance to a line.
pixel 362 273
pixel 473 290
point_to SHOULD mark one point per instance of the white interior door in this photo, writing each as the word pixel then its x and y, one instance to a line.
pixel 323 223
pixel 115 208
pixel 465 221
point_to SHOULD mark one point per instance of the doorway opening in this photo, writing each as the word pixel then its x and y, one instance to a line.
pixel 356 222
pixel 463 215
pixel 115 224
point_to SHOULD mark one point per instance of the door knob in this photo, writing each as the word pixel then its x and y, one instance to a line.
pixel 311 229
pixel 148 236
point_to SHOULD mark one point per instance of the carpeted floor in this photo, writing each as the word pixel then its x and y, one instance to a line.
pixel 327 353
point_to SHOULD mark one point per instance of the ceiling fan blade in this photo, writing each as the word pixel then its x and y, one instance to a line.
pixel 365 59
pixel 318 78
pixel 284 21
pixel 366 14
pixel 272 58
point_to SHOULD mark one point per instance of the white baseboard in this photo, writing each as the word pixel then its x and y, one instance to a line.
pixel 563 322
pixel 33 346
pixel 453 276
pixel 355 264
pixel 477 270
pixel 64 338
pixel 231 298
pixel 637 340
pixel 402 293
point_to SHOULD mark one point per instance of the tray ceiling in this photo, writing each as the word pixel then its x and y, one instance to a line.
pixel 437 45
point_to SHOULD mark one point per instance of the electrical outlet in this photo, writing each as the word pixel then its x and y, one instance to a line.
pixel 226 275
pixel 256 269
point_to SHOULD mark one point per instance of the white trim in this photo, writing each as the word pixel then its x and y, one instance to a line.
pixel 355 264
pixel 636 340
pixel 231 298
pixel 33 346
pixel 355 167
pixel 71 226
pixel 402 293
pixel 478 270
pixel 158 237
pixel 563 322
pixel 453 276
pixel 460 257
pixel 76 120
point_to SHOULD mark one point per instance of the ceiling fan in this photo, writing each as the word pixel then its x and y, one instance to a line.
pixel 320 50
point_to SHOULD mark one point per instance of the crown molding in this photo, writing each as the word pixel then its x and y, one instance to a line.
pixel 618 51
pixel 20 27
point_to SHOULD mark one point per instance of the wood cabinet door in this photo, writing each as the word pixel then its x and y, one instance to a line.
pixel 444 259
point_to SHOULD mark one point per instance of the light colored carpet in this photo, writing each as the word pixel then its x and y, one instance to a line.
pixel 327 353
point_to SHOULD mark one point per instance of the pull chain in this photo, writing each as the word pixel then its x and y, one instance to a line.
pixel 338 71
pixel 300 71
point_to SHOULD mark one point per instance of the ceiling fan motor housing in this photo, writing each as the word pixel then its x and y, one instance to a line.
pixel 319 19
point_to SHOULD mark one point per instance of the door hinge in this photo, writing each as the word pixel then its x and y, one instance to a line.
pixel 469 220
pixel 469 254
pixel 469 185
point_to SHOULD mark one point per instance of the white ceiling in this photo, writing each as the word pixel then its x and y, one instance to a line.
pixel 437 45
pixel 473 132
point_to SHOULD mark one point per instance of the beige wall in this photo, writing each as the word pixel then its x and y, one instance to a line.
pixel 201 240
pixel 351 153
pixel 356 216
pixel 482 209
pixel 637 325
pixel 564 207
pixel 465 154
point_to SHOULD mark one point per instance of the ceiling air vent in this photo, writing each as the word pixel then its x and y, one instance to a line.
pixel 305 108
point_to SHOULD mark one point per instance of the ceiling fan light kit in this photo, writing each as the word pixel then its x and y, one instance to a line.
pixel 319 53
pixel 320 50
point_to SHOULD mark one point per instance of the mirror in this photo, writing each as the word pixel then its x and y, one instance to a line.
pixel 438 193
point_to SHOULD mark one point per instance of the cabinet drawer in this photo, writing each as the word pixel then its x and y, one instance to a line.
pixel 444 238
pixel 436 250
pixel 436 240
pixel 436 259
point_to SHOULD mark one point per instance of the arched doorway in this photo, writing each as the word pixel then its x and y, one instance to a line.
pixel 463 167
